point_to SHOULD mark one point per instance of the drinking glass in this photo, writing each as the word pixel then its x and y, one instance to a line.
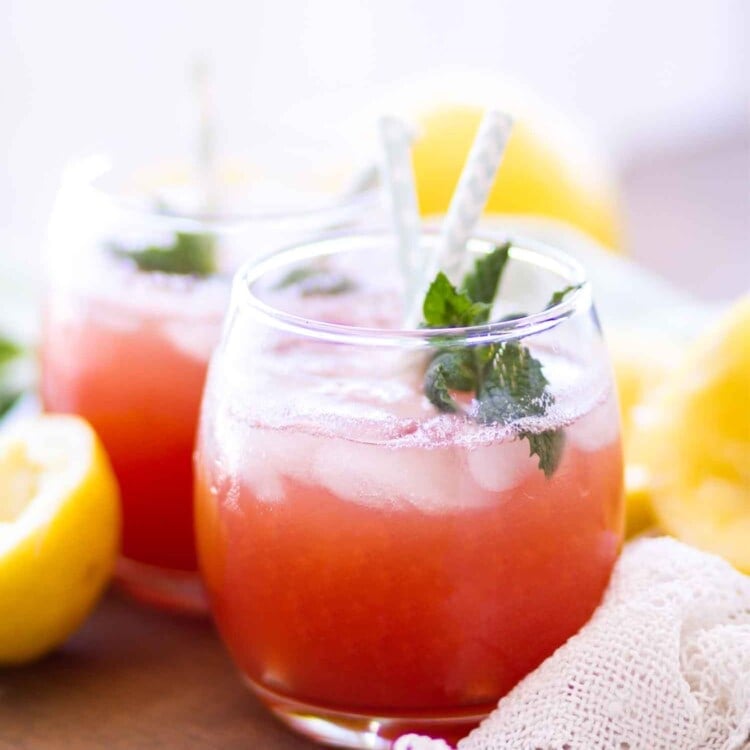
pixel 126 340
pixel 375 565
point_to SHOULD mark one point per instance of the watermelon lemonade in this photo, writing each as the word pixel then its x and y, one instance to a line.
pixel 138 284
pixel 381 557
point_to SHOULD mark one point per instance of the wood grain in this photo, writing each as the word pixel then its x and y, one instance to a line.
pixel 137 679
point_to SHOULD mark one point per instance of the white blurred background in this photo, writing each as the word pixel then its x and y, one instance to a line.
pixel 663 84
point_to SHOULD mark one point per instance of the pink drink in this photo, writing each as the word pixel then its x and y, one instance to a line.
pixel 137 285
pixel 369 559
pixel 132 359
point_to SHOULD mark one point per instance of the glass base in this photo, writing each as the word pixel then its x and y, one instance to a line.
pixel 365 731
pixel 174 590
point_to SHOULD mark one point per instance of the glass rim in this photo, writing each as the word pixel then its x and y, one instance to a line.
pixel 522 248
pixel 89 169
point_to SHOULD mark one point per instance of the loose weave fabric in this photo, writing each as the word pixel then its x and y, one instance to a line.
pixel 663 664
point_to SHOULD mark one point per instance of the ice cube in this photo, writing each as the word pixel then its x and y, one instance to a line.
pixel 500 466
pixel 597 428
pixel 428 478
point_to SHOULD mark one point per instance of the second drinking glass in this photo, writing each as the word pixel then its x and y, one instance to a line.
pixel 137 289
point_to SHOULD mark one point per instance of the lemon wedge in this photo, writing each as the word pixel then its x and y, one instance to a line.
pixel 59 532
pixel 691 440
pixel 641 365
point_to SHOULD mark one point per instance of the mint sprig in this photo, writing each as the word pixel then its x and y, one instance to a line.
pixel 190 254
pixel 507 381
pixel 312 282
pixel 446 307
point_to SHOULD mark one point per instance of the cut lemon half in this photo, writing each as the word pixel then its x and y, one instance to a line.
pixel 692 440
pixel 59 532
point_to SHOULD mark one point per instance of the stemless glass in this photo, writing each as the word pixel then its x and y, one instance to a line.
pixel 127 347
pixel 376 566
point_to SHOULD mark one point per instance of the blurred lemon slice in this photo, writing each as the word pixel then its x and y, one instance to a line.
pixel 550 167
pixel 641 364
pixel 59 532
pixel 691 441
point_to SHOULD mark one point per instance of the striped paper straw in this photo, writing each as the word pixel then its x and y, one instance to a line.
pixel 472 191
pixel 205 132
pixel 398 178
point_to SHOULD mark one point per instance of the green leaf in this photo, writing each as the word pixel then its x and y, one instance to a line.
pixel 9 350
pixel 313 282
pixel 548 446
pixel 508 381
pixel 482 282
pixel 445 307
pixel 515 377
pixel 561 294
pixel 8 399
pixel 449 371
pixel 295 276
pixel 515 388
pixel 191 254
pixel 437 391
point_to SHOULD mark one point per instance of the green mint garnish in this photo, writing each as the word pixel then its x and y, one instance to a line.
pixel 560 295
pixel 190 254
pixel 508 383
pixel 446 307
pixel 312 282
pixel 9 352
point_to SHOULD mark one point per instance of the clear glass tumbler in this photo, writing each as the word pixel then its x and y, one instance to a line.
pixel 137 287
pixel 377 564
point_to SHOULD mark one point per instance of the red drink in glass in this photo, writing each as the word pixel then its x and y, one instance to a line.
pixel 374 566
pixel 134 366
pixel 127 336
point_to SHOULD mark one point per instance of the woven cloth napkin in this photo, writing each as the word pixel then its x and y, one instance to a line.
pixel 663 664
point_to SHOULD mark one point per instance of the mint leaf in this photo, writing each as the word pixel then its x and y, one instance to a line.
pixel 449 371
pixel 445 307
pixel 508 381
pixel 296 276
pixel 191 254
pixel 560 295
pixel 548 446
pixel 481 283
pixel 514 387
pixel 313 282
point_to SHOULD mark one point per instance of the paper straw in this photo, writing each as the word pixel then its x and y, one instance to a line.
pixel 472 191
pixel 205 137
pixel 398 178
pixel 465 208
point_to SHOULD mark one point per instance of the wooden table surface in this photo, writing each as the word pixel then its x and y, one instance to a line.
pixel 136 679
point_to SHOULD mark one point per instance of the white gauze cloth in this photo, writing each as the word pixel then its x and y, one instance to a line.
pixel 663 664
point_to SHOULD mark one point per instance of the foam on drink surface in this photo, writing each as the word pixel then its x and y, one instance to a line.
pixel 112 296
pixel 354 420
